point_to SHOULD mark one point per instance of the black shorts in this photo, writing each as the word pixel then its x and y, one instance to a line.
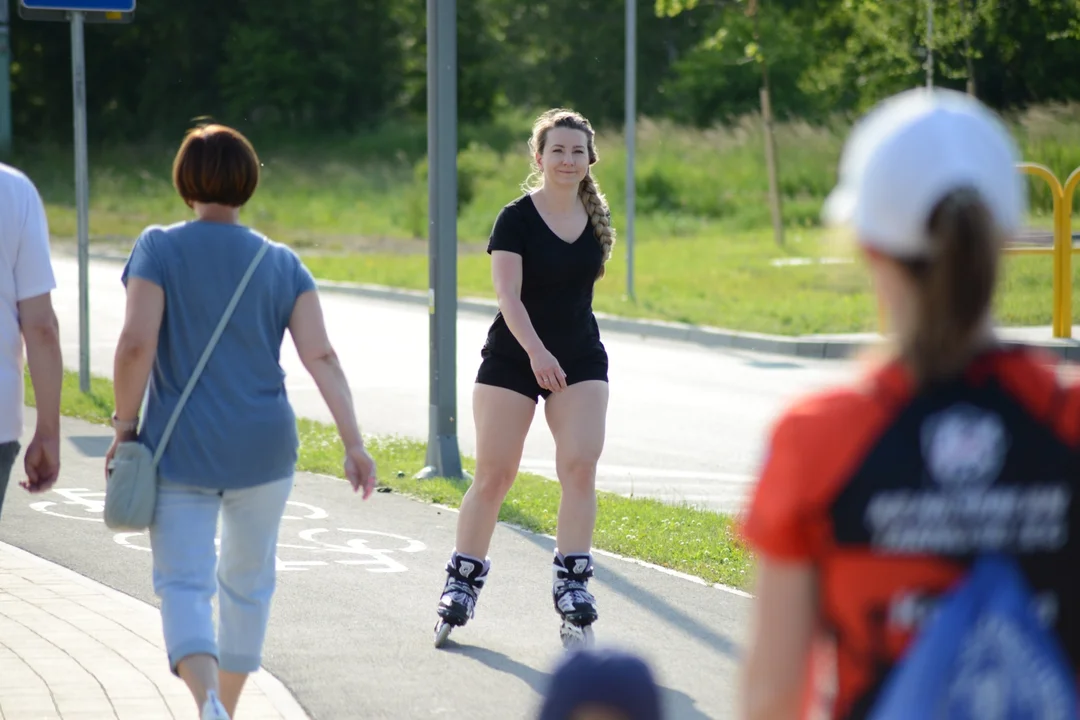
pixel 8 452
pixel 516 375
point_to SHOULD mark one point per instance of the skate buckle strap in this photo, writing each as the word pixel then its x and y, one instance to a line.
pixel 574 567
pixel 461 586
pixel 577 591
pixel 470 570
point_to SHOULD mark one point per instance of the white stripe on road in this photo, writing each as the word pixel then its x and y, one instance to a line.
pixel 719 492
pixel 610 470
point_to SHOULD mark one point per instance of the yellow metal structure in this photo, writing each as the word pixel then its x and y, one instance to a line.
pixel 1062 249
pixel 1063 245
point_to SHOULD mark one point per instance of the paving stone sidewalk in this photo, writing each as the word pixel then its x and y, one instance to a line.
pixel 71 648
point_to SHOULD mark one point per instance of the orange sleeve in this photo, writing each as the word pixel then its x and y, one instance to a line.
pixel 1047 387
pixel 777 522
pixel 814 448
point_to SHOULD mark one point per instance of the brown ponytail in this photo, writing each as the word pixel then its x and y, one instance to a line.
pixel 599 216
pixel 955 287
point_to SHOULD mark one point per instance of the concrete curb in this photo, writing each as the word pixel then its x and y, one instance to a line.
pixel 678 332
pixel 818 347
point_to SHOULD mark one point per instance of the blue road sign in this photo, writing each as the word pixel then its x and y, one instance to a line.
pixel 113 6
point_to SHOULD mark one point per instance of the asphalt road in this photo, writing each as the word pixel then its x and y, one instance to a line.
pixel 685 423
pixel 351 627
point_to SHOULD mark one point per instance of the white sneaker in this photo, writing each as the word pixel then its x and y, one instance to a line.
pixel 213 709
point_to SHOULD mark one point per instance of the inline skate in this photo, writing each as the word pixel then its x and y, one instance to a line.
pixel 573 601
pixel 465 576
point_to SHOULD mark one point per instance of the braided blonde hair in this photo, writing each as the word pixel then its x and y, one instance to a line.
pixel 589 192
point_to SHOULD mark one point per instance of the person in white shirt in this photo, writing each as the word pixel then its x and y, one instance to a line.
pixel 26 314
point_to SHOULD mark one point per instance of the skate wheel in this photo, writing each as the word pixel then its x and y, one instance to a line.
pixel 576 636
pixel 442 631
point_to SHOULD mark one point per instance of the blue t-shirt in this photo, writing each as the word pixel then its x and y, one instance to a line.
pixel 237 428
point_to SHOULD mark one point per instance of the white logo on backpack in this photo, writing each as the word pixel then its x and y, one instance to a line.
pixel 964 445
pixel 997 654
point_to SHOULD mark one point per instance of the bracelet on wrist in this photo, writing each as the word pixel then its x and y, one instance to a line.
pixel 128 426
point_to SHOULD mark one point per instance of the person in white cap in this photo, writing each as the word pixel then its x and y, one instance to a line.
pixel 877 497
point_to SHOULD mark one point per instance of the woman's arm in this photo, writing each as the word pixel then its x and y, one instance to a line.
pixel 506 277
pixel 785 612
pixel 308 331
pixel 136 348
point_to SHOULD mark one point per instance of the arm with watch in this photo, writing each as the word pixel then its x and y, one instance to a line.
pixel 134 358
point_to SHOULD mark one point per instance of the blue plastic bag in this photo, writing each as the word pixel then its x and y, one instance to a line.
pixel 983 656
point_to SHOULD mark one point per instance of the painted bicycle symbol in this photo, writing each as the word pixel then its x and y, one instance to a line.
pixel 88 500
pixel 370 549
pixel 92 503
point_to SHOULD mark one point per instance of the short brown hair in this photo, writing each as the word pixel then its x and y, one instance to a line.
pixel 216 164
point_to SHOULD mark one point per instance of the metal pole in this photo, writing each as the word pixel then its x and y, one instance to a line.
pixel 5 82
pixel 443 456
pixel 631 138
pixel 82 194
pixel 929 43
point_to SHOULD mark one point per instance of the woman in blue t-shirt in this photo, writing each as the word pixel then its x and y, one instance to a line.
pixel 234 447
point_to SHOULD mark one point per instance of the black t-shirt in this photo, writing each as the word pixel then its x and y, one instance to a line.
pixel 557 281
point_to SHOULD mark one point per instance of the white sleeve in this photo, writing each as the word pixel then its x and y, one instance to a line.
pixel 33 265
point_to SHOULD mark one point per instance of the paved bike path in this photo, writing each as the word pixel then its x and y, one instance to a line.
pixel 351 628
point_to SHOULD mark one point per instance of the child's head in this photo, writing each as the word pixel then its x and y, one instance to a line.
pixel 602 685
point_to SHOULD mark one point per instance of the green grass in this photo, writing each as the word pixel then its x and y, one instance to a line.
pixel 356 209
pixel 95 406
pixel 682 538
pixel 726 282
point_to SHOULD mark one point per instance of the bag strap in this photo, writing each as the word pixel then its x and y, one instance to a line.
pixel 209 349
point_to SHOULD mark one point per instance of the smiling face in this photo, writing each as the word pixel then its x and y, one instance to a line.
pixel 563 148
pixel 564 157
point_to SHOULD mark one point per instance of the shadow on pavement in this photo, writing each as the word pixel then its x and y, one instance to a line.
pixel 652 602
pixel 536 679
pixel 773 365
pixel 679 706
pixel 91 445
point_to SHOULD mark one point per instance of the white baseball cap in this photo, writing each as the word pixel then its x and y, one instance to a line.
pixel 912 150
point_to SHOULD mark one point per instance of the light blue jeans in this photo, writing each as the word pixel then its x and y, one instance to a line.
pixel 187 571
